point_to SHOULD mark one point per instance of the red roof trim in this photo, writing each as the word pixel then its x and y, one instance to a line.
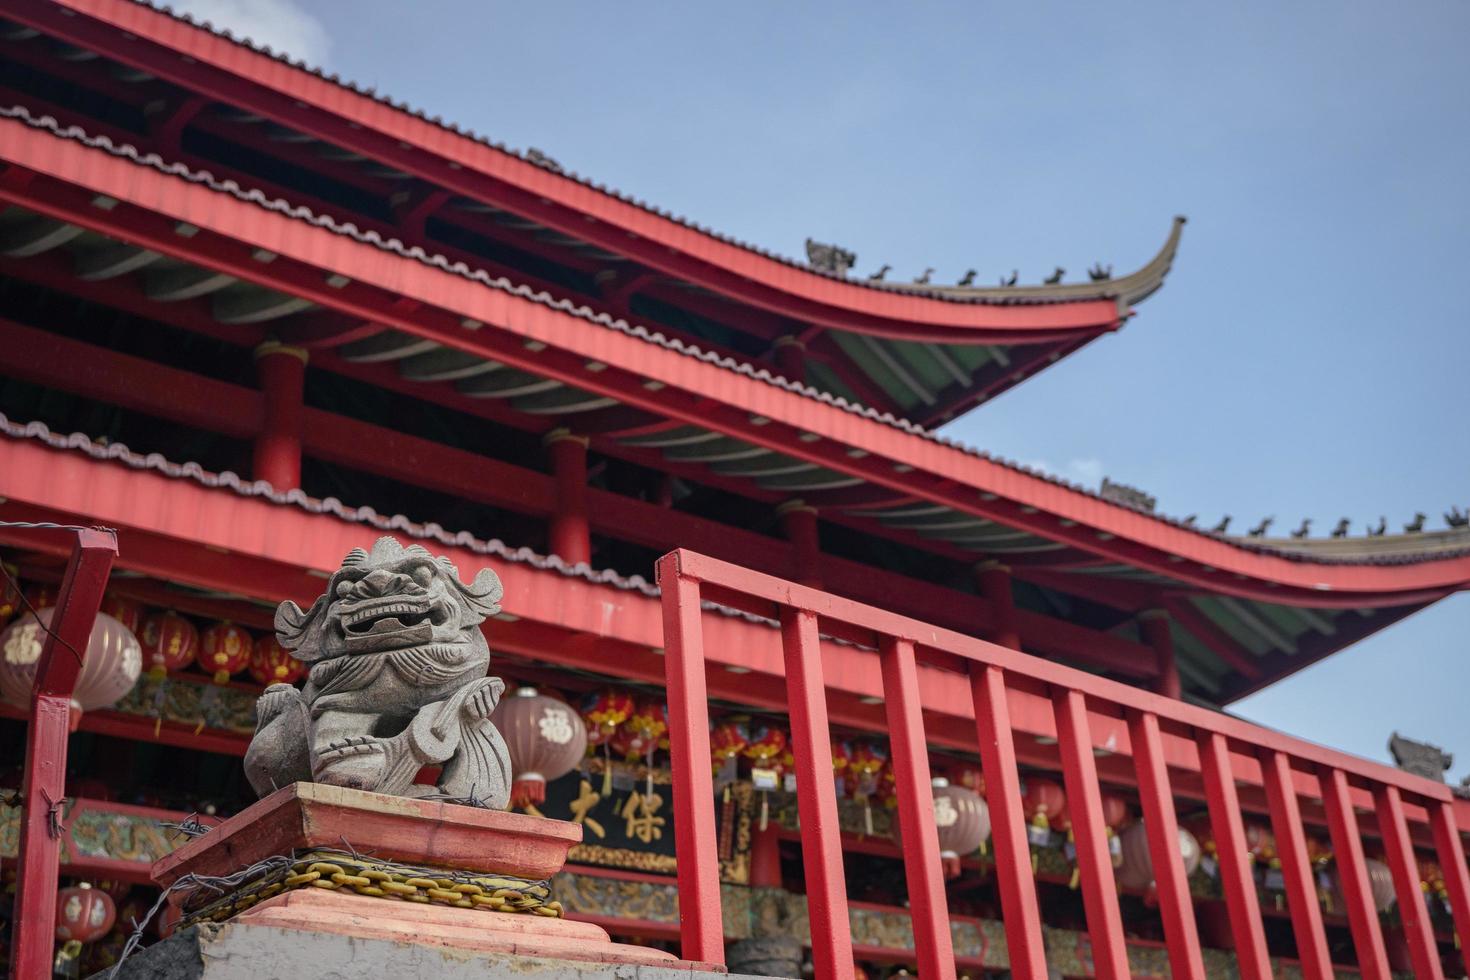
pixel 942 471
pixel 296 96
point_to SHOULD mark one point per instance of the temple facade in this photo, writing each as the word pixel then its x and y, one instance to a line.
pixel 253 317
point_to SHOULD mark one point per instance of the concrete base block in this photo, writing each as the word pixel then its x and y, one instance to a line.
pixel 243 951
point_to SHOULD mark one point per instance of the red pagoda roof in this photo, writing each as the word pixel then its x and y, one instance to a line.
pixel 927 352
pixel 443 329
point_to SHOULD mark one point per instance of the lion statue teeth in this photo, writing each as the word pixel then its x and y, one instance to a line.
pixel 397 682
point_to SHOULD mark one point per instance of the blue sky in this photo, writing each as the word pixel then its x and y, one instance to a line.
pixel 1307 356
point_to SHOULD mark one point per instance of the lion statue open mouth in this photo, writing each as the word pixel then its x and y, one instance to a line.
pixel 397 683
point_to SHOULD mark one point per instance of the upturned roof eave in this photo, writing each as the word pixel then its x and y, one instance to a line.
pixel 237 71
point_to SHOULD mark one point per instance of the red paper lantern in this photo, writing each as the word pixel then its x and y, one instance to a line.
pixel 126 611
pixel 1260 842
pixel 1041 801
pixel 1115 811
pixel 962 820
pixel 640 737
pixel 841 759
pixel 544 738
pixel 109 669
pixel 604 712
pixel 650 723
pixel 866 761
pixel 1380 883
pixel 726 741
pixel 169 641
pixel 225 650
pixel 271 663
pixel 1137 869
pixel 970 777
pixel 767 743
pixel 83 913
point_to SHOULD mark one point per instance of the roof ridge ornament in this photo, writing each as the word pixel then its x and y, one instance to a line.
pixel 831 259
pixel 1419 758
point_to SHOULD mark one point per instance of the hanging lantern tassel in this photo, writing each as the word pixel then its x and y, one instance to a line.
pixel 606 772
pixel 67 955
pixel 1038 833
pixel 765 780
pixel 727 827
pixel 529 788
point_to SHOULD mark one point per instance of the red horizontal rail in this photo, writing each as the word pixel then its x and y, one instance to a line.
pixel 1292 771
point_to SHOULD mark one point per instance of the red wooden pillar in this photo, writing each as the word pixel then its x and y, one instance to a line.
pixel 571 537
pixel 799 521
pixel 39 855
pixel 696 842
pixel 281 372
pixel 1155 626
pixel 994 582
pixel 791 358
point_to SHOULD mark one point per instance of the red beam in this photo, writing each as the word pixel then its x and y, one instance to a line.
pixel 70 365
pixel 1216 640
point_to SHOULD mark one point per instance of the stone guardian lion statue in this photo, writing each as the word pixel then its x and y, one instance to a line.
pixel 397 682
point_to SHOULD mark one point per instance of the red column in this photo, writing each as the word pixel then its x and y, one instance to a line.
pixel 1155 626
pixel 281 372
pixel 799 521
pixel 994 581
pixel 571 538
pixel 791 358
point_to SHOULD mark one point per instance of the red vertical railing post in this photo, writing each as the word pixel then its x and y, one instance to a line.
pixel 44 784
pixel 1007 823
pixel 1296 868
pixel 1452 860
pixel 1253 957
pixel 917 830
pixel 1399 850
pixel 816 797
pixel 1084 804
pixel 1162 826
pixel 701 929
pixel 1352 875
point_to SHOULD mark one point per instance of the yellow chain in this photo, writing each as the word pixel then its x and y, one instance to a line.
pixel 379 879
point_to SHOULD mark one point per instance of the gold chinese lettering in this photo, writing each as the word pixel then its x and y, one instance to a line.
pixel 640 813
pixel 583 804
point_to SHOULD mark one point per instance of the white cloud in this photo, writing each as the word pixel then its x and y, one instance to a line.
pixel 281 24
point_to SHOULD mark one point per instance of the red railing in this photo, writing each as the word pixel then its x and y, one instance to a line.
pixel 1211 754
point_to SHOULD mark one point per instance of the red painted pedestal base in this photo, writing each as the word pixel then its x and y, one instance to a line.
pixel 308 816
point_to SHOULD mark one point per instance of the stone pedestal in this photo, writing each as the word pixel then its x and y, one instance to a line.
pixel 770 956
pixel 377 834
pixel 238 950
